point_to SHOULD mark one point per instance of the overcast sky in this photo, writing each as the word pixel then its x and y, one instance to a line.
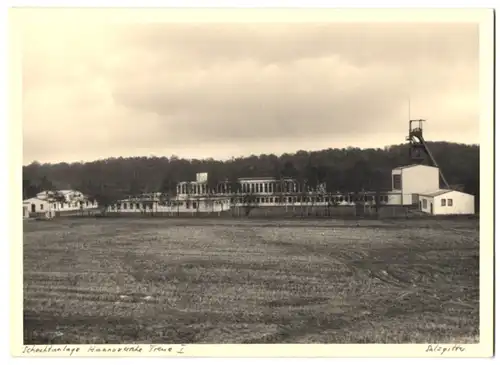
pixel 220 90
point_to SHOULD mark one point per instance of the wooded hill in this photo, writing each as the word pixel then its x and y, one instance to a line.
pixel 344 170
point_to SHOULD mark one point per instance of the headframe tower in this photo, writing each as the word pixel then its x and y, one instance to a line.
pixel 418 147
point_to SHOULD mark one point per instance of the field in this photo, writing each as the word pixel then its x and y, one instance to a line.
pixel 132 280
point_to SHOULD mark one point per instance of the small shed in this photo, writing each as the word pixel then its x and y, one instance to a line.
pixel 446 202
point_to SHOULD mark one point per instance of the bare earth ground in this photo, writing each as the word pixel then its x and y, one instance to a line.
pixel 227 281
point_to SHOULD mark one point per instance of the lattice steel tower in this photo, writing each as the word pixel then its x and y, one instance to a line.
pixel 419 151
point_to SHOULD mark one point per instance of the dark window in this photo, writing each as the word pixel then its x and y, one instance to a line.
pixel 396 182
pixel 41 206
pixel 450 202
pixel 424 203
pixel 443 202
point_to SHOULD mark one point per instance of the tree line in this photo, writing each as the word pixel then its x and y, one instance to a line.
pixel 339 170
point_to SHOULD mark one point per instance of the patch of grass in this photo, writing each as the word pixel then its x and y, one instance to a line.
pixel 239 281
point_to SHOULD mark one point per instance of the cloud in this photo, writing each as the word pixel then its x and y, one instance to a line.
pixel 231 89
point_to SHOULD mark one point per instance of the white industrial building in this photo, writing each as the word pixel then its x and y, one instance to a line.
pixel 265 192
pixel 419 184
pixel 46 204
pixel 411 180
pixel 412 185
pixel 446 202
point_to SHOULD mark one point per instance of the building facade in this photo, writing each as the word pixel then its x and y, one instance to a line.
pixel 46 202
pixel 409 186
pixel 268 191
pixel 409 181
pixel 446 202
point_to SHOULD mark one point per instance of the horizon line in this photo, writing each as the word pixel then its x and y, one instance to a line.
pixel 229 159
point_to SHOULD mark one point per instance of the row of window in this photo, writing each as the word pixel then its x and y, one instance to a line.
pixel 74 205
pixel 306 199
pixel 133 206
pixel 149 206
pixel 443 203
pixel 272 187
pixel 290 199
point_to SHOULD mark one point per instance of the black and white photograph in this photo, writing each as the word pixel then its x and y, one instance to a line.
pixel 253 182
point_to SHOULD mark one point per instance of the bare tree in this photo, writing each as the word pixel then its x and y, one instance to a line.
pixel 235 190
pixel 189 193
pixel 168 192
pixel 105 196
pixel 212 188
pixel 249 203
pixel 56 197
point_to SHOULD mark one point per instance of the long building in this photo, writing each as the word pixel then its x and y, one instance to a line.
pixel 50 203
pixel 196 196
pixel 412 185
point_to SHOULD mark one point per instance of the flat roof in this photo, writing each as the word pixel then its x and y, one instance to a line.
pixel 413 165
pixel 433 194
pixel 239 179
